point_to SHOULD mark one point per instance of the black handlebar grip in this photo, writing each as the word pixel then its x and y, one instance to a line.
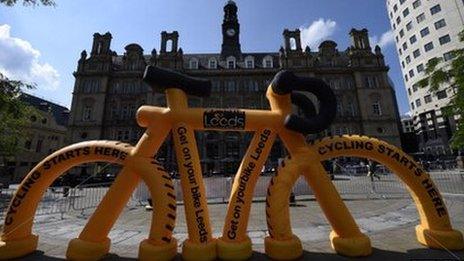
pixel 285 82
pixel 161 79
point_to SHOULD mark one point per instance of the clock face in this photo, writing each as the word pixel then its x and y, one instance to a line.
pixel 230 32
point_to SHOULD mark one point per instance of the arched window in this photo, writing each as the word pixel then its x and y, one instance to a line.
pixel 377 108
pixel 169 44
pixel 249 62
pixel 268 62
pixel 231 62
pixel 292 43
pixel 87 109
pixel 212 63
pixel 193 63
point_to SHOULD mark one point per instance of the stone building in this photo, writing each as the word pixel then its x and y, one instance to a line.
pixel 108 88
pixel 45 134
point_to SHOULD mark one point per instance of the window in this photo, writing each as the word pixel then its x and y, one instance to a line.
pixel 412 105
pixel 27 144
pixel 418 103
pixel 414 88
pixel 420 18
pixel 420 68
pixel 448 56
pixel 87 113
pixel 416 53
pixel 444 39
pixel 428 98
pixel 411 73
pixel 408 59
pixel 38 148
pixel 395 8
pixel 406 77
pixel 409 26
pixel 409 91
pixel 424 32
pixel 391 15
pixel 428 46
pixel 401 33
pixel 394 26
pixel 405 12
pixel 231 62
pixel 400 52
pixel 440 24
pixel 441 94
pixel 249 62
pixel 267 62
pixel 435 9
pixel 212 64
pixel 398 20
pixel 402 2
pixel 193 64
pixel 402 64
pixel 416 4
pixel 376 109
pixel 413 39
pixel 405 46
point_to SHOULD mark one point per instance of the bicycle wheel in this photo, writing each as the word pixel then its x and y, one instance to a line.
pixel 17 238
pixel 434 231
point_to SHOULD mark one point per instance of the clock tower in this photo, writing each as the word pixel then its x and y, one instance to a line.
pixel 230 32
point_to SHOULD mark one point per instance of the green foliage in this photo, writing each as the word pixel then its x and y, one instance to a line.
pixel 14 115
pixel 28 2
pixel 436 75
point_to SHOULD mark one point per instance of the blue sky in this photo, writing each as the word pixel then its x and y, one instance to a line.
pixel 43 44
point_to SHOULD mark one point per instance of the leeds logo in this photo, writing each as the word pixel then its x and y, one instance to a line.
pixel 219 119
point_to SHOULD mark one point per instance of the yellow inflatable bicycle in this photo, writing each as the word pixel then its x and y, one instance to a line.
pixel 304 159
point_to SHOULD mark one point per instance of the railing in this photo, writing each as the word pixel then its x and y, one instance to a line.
pixel 56 200
pixel 63 199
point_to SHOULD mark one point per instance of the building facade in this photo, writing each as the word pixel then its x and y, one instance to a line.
pixel 108 88
pixel 425 29
pixel 46 133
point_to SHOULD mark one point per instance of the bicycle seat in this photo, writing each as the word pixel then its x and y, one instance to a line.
pixel 161 79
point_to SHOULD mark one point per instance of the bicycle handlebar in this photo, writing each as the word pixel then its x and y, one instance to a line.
pixel 285 82
pixel 161 79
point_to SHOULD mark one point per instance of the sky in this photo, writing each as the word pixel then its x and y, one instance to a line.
pixel 42 44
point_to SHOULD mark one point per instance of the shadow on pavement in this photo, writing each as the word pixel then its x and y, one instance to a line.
pixel 377 254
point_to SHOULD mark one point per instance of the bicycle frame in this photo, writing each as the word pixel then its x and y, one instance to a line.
pixel 234 243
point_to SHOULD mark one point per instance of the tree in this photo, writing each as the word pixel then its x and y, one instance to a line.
pixel 14 115
pixel 28 2
pixel 438 73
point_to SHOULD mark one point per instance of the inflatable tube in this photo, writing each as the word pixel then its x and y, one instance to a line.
pixel 17 235
pixel 234 243
pixel 194 194
pixel 277 210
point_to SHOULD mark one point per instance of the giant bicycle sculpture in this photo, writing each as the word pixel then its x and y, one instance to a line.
pixel 138 163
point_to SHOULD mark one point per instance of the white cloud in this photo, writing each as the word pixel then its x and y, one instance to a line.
pixel 317 32
pixel 20 61
pixel 385 40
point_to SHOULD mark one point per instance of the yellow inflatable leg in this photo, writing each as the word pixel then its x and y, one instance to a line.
pixel 18 247
pixel 450 239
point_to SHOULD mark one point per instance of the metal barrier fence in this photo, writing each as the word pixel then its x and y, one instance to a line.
pixel 55 201
pixel 63 199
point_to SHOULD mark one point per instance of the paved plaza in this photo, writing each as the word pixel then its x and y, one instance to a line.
pixel 388 222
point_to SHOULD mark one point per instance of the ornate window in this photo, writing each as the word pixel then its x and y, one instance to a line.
pixel 212 63
pixel 250 62
pixel 268 62
pixel 231 62
pixel 193 64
